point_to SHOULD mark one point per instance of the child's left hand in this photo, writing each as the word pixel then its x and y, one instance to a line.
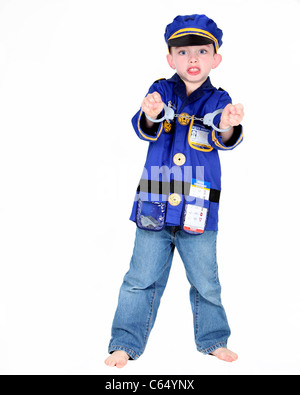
pixel 232 115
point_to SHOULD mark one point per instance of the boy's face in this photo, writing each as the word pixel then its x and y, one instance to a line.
pixel 193 64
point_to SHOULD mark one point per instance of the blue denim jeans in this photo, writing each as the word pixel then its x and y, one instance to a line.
pixel 144 284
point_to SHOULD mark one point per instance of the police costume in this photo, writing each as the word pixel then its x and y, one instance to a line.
pixel 180 186
pixel 181 181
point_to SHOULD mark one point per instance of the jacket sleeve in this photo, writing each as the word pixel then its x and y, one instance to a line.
pixel 138 121
pixel 215 138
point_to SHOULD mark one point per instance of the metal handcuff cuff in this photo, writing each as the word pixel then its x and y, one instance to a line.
pixel 207 120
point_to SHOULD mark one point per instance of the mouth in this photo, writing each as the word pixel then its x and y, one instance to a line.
pixel 193 71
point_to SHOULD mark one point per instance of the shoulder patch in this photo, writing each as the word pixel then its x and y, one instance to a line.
pixel 160 79
pixel 221 89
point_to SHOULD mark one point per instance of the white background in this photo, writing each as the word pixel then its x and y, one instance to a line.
pixel 72 75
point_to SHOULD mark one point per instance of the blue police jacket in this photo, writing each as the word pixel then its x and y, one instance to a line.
pixel 181 180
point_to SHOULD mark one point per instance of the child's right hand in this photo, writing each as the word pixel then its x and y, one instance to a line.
pixel 152 105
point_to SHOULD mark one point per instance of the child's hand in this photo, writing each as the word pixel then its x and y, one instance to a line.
pixel 152 105
pixel 232 115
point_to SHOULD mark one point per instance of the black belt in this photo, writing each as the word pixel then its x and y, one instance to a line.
pixel 167 188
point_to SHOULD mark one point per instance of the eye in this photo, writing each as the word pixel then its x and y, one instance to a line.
pixel 203 51
pixel 182 52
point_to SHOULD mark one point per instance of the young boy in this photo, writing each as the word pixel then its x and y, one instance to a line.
pixel 177 200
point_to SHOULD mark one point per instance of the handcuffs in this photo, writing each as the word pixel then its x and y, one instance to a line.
pixel 207 120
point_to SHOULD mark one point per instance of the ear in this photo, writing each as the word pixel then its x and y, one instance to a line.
pixel 217 60
pixel 171 61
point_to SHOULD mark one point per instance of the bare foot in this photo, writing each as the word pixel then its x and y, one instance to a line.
pixel 118 359
pixel 225 355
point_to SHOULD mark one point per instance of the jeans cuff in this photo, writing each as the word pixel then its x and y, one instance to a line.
pixel 128 351
pixel 213 348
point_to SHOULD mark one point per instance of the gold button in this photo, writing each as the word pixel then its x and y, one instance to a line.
pixel 184 119
pixel 174 199
pixel 179 159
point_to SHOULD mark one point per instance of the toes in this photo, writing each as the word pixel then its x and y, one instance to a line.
pixel 110 362
pixel 118 359
pixel 121 363
pixel 225 355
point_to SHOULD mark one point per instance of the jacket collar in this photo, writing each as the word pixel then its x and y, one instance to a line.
pixel 180 90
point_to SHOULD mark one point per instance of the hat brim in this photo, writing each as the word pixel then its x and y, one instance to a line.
pixel 189 40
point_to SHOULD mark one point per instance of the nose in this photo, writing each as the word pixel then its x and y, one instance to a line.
pixel 193 58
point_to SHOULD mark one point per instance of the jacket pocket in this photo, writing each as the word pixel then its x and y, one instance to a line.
pixel 198 136
pixel 195 215
pixel 151 215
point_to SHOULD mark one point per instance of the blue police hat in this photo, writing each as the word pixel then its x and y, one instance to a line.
pixel 193 30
